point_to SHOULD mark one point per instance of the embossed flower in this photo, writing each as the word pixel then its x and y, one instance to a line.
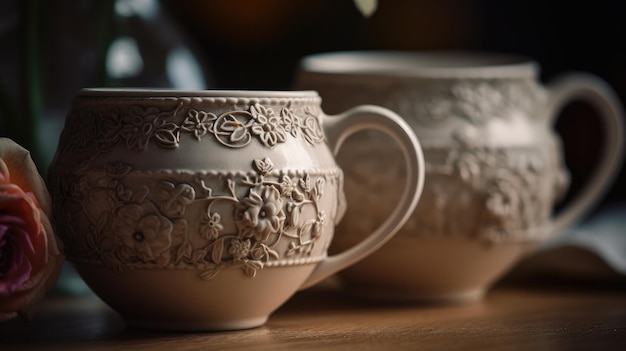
pixel 211 226
pixel 143 233
pixel 267 125
pixel 504 199
pixel 290 189
pixel 467 164
pixel 175 197
pixel 239 249
pixel 198 122
pixel 140 126
pixel 431 108
pixel 288 186
pixel 290 122
pixel 107 133
pixel 122 193
pixel 479 102
pixel 30 259
pixel 261 214
pixel 117 169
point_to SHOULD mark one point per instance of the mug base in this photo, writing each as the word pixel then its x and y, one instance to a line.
pixel 186 326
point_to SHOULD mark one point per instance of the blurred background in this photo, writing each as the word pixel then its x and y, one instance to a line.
pixel 52 48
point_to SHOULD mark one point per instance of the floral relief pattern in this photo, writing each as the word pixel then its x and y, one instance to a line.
pixel 507 194
pixel 485 193
pixel 141 126
pixel 198 122
pixel 137 127
pixel 474 101
pixel 142 234
pixel 202 221
pixel 261 213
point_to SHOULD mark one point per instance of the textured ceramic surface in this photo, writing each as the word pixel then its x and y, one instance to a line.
pixel 207 210
pixel 494 166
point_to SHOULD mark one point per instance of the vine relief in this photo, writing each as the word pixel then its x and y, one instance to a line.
pixel 202 221
pixel 137 127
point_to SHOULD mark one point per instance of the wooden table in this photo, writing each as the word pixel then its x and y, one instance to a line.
pixel 325 318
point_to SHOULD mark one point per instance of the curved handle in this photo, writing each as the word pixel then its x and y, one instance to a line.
pixel 337 129
pixel 591 89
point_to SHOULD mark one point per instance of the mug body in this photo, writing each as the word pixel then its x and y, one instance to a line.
pixel 200 210
pixel 494 167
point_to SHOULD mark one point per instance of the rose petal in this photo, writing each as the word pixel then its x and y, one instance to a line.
pixel 15 250
pixel 32 253
pixel 4 172
pixel 22 205
pixel 23 172
pixel 15 268
pixel 33 290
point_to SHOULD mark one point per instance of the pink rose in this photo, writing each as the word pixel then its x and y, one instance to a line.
pixel 30 259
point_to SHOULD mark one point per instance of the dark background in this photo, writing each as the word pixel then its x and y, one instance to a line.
pixel 257 44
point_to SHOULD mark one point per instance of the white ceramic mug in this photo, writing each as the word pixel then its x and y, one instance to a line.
pixel 207 210
pixel 494 165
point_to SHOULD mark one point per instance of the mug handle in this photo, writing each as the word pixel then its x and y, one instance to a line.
pixel 337 129
pixel 595 91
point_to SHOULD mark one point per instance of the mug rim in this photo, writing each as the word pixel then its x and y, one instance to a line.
pixel 420 64
pixel 208 93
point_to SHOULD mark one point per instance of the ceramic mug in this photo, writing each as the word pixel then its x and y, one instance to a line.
pixel 207 210
pixel 494 165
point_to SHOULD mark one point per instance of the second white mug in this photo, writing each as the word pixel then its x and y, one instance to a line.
pixel 494 165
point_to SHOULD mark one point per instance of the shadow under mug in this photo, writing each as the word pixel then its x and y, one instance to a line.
pixel 494 165
pixel 207 210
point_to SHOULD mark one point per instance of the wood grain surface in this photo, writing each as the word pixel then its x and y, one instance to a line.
pixel 326 318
